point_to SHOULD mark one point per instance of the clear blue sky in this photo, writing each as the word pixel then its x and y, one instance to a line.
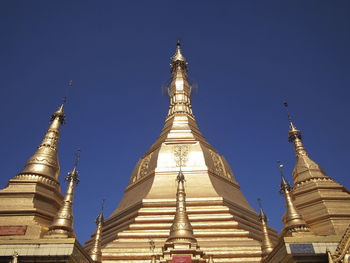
pixel 247 57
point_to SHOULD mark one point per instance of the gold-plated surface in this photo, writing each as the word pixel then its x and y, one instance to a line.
pixel 181 240
pixel 266 246
pixel 64 250
pixel 181 229
pixel 95 252
pixel 304 249
pixel 35 189
pixel 44 162
pixel 223 222
pixel 342 253
pixel 62 225
pixel 323 203
pixel 293 221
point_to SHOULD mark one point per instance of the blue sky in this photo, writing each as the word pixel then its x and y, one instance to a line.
pixel 246 56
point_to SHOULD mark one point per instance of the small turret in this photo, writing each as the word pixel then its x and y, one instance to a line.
pixel 293 221
pixel 95 252
pixel 266 246
pixel 62 225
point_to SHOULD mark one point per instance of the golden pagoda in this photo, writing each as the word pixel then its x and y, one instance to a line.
pixel 317 218
pixel 36 222
pixel 182 204
pixel 323 203
pixel 224 224
pixel 32 198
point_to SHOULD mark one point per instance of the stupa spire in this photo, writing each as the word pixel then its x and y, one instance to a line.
pixel 45 161
pixel 293 221
pixel 95 252
pixel 181 229
pixel 305 168
pixel 266 246
pixel 62 225
pixel 179 90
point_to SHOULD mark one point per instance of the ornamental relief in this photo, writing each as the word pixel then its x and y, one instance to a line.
pixel 181 155
pixel 218 164
pixel 144 167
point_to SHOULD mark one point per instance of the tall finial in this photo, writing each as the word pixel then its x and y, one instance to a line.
pixel 294 133
pixel 284 184
pixel 266 245
pixel 179 89
pixel 293 221
pixel 178 61
pixel 289 117
pixel 62 225
pixel 96 252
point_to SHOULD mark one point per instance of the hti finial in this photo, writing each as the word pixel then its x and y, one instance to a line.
pixel 259 201
pixel 289 117
pixel 280 166
pixel 73 175
pixel 77 156
pixel 284 184
pixel 103 204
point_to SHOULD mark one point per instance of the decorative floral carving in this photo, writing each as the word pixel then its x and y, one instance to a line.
pixel 181 155
pixel 218 165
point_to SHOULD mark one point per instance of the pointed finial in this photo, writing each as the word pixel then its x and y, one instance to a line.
pixel 266 245
pixel 293 221
pixel 62 225
pixel 259 201
pixel 294 133
pixel 73 175
pixel 284 184
pixel 100 217
pixel 95 252
pixel 289 117
pixel 262 216
pixel 103 204
pixel 178 60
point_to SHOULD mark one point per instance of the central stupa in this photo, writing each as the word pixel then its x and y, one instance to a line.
pixel 226 227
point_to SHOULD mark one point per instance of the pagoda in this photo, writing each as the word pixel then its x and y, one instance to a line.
pixel 225 226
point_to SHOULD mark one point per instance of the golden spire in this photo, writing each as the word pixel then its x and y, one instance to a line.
pixel 62 225
pixel 181 230
pixel 45 161
pixel 293 221
pixel 266 245
pixel 179 90
pixel 95 252
pixel 210 259
pixel 305 168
